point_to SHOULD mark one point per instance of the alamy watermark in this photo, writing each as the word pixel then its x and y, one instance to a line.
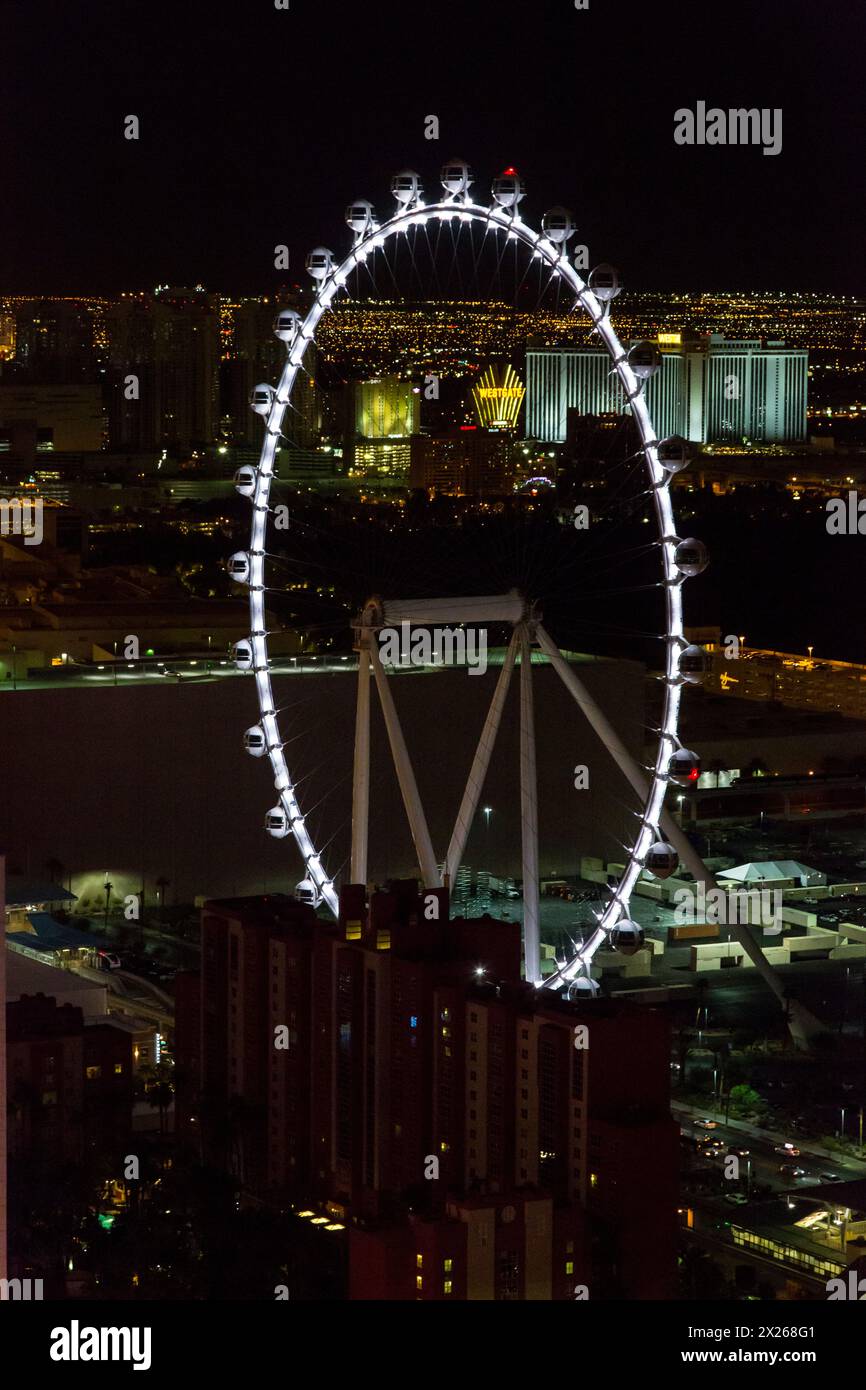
pixel 22 516
pixel 720 908
pixel 20 1290
pixel 437 646
pixel 736 126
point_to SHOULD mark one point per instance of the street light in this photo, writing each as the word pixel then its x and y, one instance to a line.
pixel 487 812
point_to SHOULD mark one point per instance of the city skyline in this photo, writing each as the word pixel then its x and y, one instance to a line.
pixel 433 841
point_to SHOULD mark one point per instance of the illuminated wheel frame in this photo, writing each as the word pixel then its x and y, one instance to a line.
pixel 509 222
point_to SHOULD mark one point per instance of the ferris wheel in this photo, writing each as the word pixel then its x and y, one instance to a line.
pixel 659 845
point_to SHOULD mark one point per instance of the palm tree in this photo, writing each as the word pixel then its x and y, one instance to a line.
pixel 158 1082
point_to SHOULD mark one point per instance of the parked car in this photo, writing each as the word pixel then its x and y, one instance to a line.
pixel 737 1199
pixel 790 1150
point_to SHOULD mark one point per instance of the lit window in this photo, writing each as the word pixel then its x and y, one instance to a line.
pixel 419 1260
pixel 118 1069
pixel 447 1286
pixel 93 1073
pixel 569 1266
pixel 447 1265
pixel 593 1179
pixel 419 1281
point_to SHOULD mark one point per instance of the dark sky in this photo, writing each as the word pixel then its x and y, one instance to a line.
pixel 258 126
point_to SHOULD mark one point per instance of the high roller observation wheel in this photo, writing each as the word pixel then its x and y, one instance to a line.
pixel 507 219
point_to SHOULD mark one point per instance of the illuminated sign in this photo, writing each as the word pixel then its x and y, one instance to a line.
pixel 671 339
pixel 498 398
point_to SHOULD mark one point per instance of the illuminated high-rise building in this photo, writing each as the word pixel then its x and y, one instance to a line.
pixel 384 414
pixel 7 337
pixel 465 462
pixel 251 353
pixel 170 344
pixel 740 389
pixel 710 389
pixel 402 1039
pixel 385 408
pixel 54 342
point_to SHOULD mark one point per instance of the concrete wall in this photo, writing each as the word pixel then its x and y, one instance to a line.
pixel 150 780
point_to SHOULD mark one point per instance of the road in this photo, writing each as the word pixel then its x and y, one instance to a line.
pixel 762 1164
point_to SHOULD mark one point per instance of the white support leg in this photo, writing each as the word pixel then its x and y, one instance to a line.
pixel 405 776
pixel 802 1024
pixel 529 815
pixel 480 764
pixel 361 772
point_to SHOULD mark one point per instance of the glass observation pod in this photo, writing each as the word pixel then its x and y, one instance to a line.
pixel 662 859
pixel 238 566
pixel 626 937
pixel 286 324
pixel 692 664
pixel 456 176
pixel 359 216
pixel 582 987
pixel 674 453
pixel 262 399
pixel 644 359
pixel 319 262
pixel 604 283
pixel 255 741
pixel 277 823
pixel 558 225
pixel 684 768
pixel 406 186
pixel 508 189
pixel 245 480
pixel 242 654
pixel 691 557
pixel 306 892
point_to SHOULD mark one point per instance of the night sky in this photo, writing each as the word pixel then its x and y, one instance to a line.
pixel 258 126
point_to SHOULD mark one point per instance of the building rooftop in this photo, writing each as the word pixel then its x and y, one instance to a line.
pixel 49 935
pixel 27 976
pixel 768 869
pixel 20 891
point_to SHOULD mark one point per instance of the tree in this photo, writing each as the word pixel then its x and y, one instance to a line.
pixel 743 1097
